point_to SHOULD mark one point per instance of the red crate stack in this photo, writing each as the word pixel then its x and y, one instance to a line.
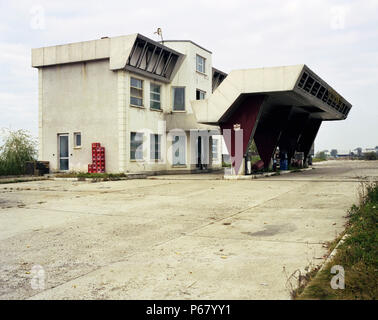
pixel 98 159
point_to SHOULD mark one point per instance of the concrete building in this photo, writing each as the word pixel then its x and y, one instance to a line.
pixel 161 107
pixel 116 91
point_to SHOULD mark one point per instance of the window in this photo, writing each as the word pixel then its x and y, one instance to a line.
pixel 136 146
pixel 77 139
pixel 178 94
pixel 155 96
pixel 178 150
pixel 136 92
pixel 155 147
pixel 215 148
pixel 200 65
pixel 200 95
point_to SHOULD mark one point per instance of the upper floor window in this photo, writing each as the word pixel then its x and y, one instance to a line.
pixel 178 94
pixel 136 92
pixel 200 95
pixel 155 102
pixel 200 64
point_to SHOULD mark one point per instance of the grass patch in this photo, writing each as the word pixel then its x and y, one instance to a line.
pixel 104 176
pixel 226 165
pixel 18 180
pixel 254 159
pixel 318 160
pixel 358 255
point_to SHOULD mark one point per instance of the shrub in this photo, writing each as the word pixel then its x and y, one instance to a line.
pixel 321 155
pixel 18 148
pixel 370 156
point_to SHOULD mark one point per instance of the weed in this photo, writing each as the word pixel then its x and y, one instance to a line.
pixel 358 254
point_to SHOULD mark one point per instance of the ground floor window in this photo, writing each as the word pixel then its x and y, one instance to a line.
pixel 178 150
pixel 77 139
pixel 136 146
pixel 214 148
pixel 155 147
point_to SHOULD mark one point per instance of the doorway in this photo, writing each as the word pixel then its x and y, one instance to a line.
pixel 202 153
pixel 63 152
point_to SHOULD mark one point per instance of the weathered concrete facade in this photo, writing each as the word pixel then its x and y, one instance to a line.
pixel 163 107
pixel 85 88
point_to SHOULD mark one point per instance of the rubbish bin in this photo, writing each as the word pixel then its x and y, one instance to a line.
pixel 284 165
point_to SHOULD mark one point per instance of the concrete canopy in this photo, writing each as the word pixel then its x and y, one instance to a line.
pixel 283 87
pixel 278 106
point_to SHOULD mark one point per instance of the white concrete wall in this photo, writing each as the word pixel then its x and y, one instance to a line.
pixel 90 98
pixel 139 119
pixel 144 119
pixel 79 97
pixel 187 75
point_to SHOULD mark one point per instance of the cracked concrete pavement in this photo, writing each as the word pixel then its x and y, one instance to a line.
pixel 177 237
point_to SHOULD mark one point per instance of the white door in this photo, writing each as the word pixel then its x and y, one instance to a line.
pixel 178 150
pixel 63 152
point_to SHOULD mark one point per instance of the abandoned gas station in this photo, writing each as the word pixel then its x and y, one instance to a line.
pixel 280 107
pixel 163 108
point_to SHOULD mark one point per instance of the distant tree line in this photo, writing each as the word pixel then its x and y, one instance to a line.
pixel 355 154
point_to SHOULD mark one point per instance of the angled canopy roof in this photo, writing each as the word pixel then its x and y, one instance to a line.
pixel 295 86
pixel 132 52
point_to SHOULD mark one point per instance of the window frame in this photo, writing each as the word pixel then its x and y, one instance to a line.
pixel 153 100
pixel 173 98
pixel 136 151
pixel 183 137
pixel 215 143
pixel 201 92
pixel 136 88
pixel 76 146
pixel 155 143
pixel 203 64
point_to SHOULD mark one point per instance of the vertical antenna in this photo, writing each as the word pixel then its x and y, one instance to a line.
pixel 159 32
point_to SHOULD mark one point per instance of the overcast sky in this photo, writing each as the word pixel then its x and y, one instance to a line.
pixel 338 40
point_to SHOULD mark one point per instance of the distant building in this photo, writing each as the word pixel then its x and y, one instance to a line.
pixel 344 154
pixel 368 150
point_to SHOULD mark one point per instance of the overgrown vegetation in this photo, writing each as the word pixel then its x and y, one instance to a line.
pixel 358 255
pixel 320 156
pixel 226 165
pixel 18 148
pixel 370 156
pixel 105 176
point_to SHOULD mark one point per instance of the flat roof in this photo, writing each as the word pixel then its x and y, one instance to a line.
pixel 187 41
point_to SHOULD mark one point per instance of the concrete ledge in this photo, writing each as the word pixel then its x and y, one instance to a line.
pixel 129 176
pixel 263 175
pixel 15 179
pixel 333 253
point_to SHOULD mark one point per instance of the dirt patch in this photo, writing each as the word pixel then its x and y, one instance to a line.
pixel 8 203
pixel 273 229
